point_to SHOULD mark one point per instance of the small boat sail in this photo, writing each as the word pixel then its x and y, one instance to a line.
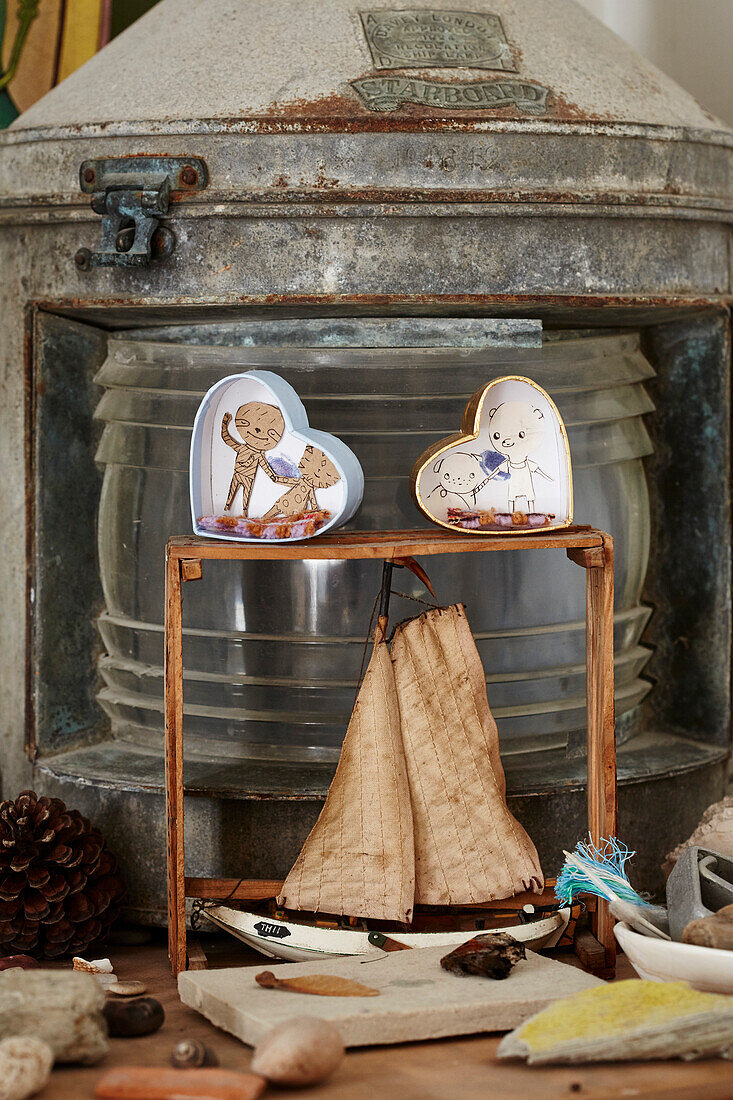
pixel 416 814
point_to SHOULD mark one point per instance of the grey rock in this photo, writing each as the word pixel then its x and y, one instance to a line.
pixel 63 1008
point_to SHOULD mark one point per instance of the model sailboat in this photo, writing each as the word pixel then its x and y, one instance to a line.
pixel 416 815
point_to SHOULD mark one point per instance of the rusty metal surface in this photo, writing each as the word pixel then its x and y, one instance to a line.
pixel 675 172
pixel 588 309
pixel 375 261
pixel 293 60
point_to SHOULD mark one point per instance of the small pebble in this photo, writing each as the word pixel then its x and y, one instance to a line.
pixel 128 1019
pixel 25 1066
pixel 300 1051
pixel 128 989
pixel 191 1053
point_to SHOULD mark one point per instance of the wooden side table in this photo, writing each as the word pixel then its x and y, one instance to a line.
pixel 587 547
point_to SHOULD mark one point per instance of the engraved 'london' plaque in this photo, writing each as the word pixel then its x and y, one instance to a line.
pixel 420 39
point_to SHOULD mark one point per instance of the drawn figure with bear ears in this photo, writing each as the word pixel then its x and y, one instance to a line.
pixel 516 430
pixel 461 475
pixel 261 427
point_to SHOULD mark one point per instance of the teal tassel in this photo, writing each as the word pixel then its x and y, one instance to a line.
pixel 599 871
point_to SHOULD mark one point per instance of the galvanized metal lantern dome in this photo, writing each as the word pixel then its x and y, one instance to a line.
pixel 389 208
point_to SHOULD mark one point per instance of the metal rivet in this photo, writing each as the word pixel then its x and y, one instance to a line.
pixel 189 175
pixel 83 259
pixel 88 175
pixel 125 239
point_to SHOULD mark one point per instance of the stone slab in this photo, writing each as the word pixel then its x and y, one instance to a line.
pixel 418 999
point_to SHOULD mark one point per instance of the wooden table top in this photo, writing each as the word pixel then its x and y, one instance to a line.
pixel 456 1069
pixel 384 544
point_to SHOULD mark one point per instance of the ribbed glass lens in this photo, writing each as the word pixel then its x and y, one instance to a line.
pixel 273 650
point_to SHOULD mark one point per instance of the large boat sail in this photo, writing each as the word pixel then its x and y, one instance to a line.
pixel 416 813
pixel 359 858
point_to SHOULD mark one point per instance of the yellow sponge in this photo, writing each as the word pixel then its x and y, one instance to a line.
pixel 630 1019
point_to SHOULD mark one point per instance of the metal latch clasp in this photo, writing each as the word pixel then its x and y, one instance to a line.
pixel 133 194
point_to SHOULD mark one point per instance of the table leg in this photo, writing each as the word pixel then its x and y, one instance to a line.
pixel 174 765
pixel 602 796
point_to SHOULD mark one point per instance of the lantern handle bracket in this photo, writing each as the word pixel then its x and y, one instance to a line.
pixel 133 194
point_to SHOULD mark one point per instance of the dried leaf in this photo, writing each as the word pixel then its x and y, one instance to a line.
pixel 321 985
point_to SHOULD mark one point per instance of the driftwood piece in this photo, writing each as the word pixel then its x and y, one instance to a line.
pixel 63 1008
pixel 319 985
pixel 156 1083
pixel 492 955
pixel 713 931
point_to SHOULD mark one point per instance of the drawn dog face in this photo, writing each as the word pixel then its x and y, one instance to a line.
pixel 261 426
pixel 459 472
pixel 317 469
pixel 516 430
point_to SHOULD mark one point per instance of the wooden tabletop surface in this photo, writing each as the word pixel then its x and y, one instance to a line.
pixel 381 544
pixel 457 1069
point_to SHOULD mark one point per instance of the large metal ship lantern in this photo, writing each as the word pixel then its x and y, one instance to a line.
pixel 389 208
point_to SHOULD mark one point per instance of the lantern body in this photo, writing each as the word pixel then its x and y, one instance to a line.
pixel 371 258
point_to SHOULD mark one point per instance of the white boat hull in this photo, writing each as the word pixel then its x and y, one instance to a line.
pixel 280 939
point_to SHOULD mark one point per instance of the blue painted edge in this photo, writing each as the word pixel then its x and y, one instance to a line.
pixel 296 424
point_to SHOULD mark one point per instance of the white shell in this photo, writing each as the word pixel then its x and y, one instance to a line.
pixel 300 1051
pixel 100 969
pixel 96 966
pixel 25 1066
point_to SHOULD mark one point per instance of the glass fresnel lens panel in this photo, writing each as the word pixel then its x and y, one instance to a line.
pixel 273 652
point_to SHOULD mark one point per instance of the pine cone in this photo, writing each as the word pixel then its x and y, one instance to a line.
pixel 59 887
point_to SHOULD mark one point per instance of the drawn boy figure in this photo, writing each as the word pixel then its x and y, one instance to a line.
pixel 261 427
pixel 516 430
pixel 316 472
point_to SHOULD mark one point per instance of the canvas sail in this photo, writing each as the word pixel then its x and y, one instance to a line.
pixel 358 859
pixel 469 849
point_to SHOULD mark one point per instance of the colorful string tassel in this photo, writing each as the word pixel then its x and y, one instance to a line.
pixel 597 870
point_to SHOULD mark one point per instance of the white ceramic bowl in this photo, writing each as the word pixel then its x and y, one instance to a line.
pixel 705 968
